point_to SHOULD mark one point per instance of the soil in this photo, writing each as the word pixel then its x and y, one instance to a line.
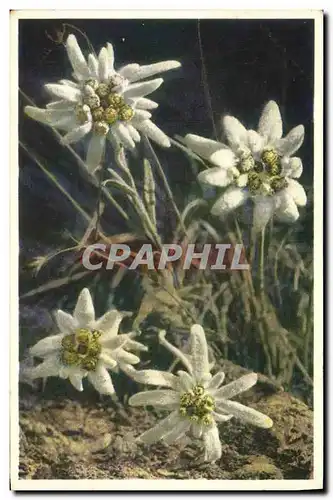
pixel 79 438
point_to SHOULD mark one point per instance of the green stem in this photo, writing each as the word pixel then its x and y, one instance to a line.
pixel 262 264
pixel 137 202
pixel 166 185
pixel 253 245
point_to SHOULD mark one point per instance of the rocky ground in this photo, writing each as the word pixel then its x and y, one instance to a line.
pixel 81 438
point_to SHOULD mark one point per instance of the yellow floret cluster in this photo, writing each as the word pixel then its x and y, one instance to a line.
pixel 81 349
pixel 197 405
pixel 104 105
pixel 264 176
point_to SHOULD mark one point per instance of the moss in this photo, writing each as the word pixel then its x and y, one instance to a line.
pixel 258 468
pixel 136 472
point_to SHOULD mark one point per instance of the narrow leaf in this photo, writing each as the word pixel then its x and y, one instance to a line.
pixel 149 191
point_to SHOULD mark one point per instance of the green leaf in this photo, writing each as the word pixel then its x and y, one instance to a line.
pixel 149 191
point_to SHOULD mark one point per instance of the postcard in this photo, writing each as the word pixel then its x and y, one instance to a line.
pixel 166 206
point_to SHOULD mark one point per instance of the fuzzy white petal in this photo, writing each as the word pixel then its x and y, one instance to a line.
pixel 37 114
pixel 286 210
pixel 95 152
pixel 296 190
pixel 70 83
pixel 47 345
pixel 48 368
pixel 76 58
pixel 292 167
pixel 59 105
pixel 230 200
pixel 76 381
pixel 129 70
pixel 93 66
pixel 65 124
pixel 215 382
pixel 161 429
pixel 122 134
pixel 59 116
pixel 224 158
pixel 177 432
pixel 270 123
pixel 245 413
pixel 88 91
pixel 133 133
pixel 122 341
pixel 291 143
pixel 124 357
pixel 52 117
pixel 196 430
pixel 142 114
pixel 152 377
pixel 149 129
pixel 65 321
pixel 84 311
pixel 101 380
pixel 142 89
pixel 199 352
pixel 235 132
pixel 107 359
pixel 109 323
pixel 236 387
pixel 242 180
pixel 263 211
pixel 63 92
pixel 216 176
pixel 64 371
pixel 221 417
pixel 202 146
pixel 152 69
pixel 114 342
pixel 186 382
pixel 144 103
pixel 158 397
pixel 77 134
pixel 133 345
pixel 103 65
pixel 212 443
pixel 255 142
pixel 110 51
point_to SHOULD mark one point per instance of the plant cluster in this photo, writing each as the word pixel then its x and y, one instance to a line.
pixel 108 109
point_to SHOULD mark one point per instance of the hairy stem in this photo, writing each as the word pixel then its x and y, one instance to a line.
pixel 166 184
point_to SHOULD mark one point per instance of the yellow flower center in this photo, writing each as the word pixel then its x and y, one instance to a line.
pixel 105 106
pixel 81 349
pixel 246 162
pixel 264 176
pixel 197 405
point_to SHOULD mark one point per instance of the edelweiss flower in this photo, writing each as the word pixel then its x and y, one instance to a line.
pixel 85 347
pixel 257 165
pixel 195 398
pixel 108 103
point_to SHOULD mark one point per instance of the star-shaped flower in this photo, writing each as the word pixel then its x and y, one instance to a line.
pixel 257 165
pixel 85 347
pixel 194 397
pixel 103 102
